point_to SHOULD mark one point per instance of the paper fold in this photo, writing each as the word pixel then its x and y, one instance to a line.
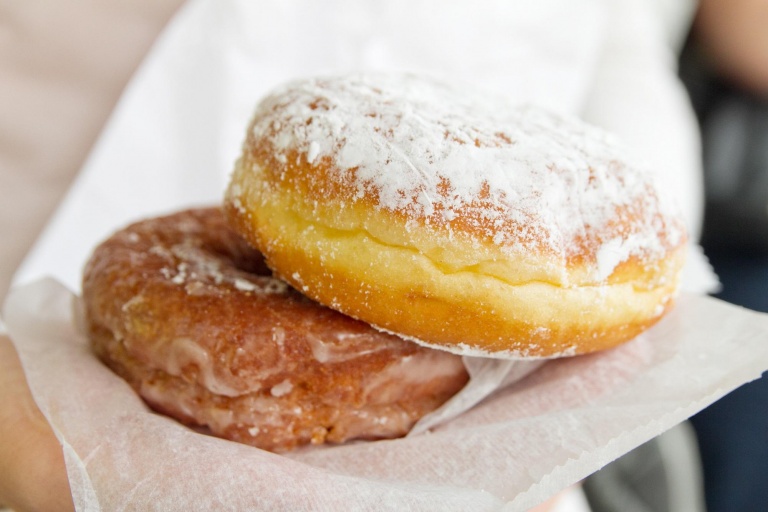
pixel 513 450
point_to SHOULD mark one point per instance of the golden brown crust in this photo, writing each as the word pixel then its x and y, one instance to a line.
pixel 187 313
pixel 556 246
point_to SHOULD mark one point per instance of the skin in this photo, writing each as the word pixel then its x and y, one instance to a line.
pixel 32 471
pixel 30 454
pixel 733 35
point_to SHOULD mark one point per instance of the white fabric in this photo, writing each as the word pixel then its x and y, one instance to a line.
pixel 176 133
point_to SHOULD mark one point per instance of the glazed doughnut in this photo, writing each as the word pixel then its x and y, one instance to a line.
pixel 454 218
pixel 188 314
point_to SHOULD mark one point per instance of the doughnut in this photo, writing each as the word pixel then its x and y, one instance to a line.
pixel 188 314
pixel 455 218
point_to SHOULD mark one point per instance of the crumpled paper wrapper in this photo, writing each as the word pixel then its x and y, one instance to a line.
pixel 520 445
pixel 520 431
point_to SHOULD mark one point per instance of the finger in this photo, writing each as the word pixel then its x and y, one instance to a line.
pixel 32 471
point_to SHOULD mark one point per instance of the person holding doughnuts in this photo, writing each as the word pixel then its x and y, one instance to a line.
pixel 23 430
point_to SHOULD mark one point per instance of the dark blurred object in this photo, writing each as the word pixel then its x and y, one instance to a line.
pixel 661 475
pixel 734 129
pixel 733 432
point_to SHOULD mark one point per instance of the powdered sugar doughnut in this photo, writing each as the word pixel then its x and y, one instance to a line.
pixel 455 219
pixel 185 311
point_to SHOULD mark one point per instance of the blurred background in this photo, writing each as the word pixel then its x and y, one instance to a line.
pixel 724 67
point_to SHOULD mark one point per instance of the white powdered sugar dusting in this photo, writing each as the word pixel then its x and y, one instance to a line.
pixel 281 389
pixel 196 267
pixel 520 176
pixel 527 351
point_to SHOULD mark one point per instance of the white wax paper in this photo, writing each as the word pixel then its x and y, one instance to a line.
pixel 513 450
pixel 172 142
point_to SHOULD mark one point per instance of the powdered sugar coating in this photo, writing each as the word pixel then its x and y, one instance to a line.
pixel 518 177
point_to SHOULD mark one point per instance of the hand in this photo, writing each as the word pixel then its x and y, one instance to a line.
pixel 733 35
pixel 32 471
